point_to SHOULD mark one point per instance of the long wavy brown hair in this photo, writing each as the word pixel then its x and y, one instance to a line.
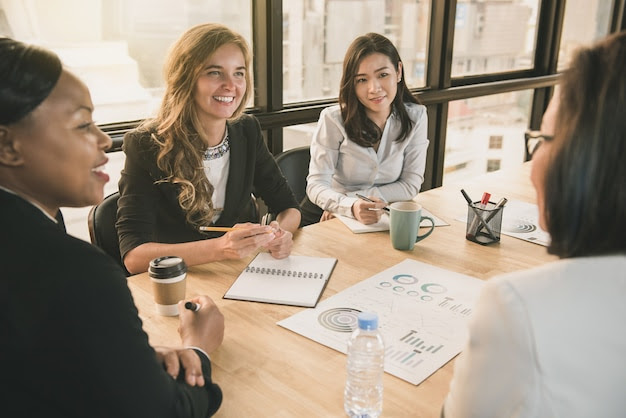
pixel 359 127
pixel 177 129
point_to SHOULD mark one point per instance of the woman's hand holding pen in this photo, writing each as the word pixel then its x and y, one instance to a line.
pixel 202 328
pixel 368 212
pixel 281 245
pixel 245 239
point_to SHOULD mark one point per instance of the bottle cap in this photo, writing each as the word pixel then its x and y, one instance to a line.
pixel 368 321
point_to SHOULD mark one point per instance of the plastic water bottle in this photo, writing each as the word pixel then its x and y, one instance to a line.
pixel 363 395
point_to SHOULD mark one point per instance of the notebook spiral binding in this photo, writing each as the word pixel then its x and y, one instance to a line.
pixel 281 272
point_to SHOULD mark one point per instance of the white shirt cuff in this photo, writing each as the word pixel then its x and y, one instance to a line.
pixel 200 350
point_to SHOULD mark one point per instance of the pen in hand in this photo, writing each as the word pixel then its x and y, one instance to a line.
pixel 367 199
pixel 192 306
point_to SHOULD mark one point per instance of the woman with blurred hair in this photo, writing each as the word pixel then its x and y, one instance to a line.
pixel 549 341
pixel 372 143
pixel 198 162
pixel 71 341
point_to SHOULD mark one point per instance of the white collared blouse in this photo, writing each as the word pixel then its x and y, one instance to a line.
pixel 340 168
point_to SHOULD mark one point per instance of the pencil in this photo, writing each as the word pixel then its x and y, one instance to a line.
pixel 217 228
pixel 222 228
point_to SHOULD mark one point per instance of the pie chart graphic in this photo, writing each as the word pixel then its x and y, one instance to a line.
pixel 339 319
pixel 519 226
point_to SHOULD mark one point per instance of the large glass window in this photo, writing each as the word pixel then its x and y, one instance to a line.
pixel 298 135
pixel 117 47
pixel 585 21
pixel 475 125
pixel 316 35
pixel 493 36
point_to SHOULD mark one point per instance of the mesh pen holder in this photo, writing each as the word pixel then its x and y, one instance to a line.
pixel 486 229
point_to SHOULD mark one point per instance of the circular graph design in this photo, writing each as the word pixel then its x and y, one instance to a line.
pixel 339 319
pixel 385 284
pixel 405 279
pixel 433 288
pixel 519 226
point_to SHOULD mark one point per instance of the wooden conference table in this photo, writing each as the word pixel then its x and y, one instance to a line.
pixel 266 370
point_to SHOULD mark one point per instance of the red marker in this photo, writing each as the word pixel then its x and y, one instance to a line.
pixel 485 200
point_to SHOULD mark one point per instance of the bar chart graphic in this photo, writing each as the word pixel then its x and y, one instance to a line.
pixel 413 339
pixel 422 309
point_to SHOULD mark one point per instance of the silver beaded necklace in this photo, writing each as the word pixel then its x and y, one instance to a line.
pixel 213 153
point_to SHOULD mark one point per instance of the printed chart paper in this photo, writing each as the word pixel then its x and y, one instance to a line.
pixel 422 310
pixel 383 225
pixel 521 220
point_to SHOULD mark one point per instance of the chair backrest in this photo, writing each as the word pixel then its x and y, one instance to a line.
pixel 294 163
pixel 101 221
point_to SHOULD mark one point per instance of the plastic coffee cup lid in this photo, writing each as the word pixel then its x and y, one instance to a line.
pixel 166 267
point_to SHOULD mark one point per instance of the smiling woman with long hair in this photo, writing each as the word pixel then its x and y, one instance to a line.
pixel 372 143
pixel 199 161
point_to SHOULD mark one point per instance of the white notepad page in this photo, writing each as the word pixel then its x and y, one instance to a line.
pixel 296 280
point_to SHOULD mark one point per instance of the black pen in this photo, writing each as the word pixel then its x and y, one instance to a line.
pixel 367 199
pixel 192 306
pixel 477 213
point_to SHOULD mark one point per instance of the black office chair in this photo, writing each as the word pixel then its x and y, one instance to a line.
pixel 294 163
pixel 101 222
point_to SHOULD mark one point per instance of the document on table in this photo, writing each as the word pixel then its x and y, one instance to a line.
pixel 423 313
pixel 383 225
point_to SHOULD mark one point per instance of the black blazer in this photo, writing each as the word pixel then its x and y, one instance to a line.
pixel 148 209
pixel 71 341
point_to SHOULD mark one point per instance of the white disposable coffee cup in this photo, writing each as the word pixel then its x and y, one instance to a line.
pixel 168 275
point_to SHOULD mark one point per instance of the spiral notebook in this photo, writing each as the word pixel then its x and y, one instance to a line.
pixel 296 280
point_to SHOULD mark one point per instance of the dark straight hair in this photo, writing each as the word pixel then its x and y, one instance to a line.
pixel 585 186
pixel 27 76
pixel 359 127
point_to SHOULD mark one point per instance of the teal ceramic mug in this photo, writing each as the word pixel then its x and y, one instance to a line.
pixel 404 221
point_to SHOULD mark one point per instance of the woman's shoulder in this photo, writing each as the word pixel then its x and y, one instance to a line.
pixel 563 273
pixel 331 112
pixel 415 110
pixel 139 139
pixel 244 121
pixel 75 258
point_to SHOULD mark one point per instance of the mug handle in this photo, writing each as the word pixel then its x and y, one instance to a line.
pixel 432 228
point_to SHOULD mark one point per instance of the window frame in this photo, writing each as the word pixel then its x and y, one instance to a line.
pixel 440 88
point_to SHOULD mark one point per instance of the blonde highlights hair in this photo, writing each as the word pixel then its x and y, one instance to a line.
pixel 177 129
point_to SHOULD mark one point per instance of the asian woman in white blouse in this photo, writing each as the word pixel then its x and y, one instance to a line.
pixel 373 143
